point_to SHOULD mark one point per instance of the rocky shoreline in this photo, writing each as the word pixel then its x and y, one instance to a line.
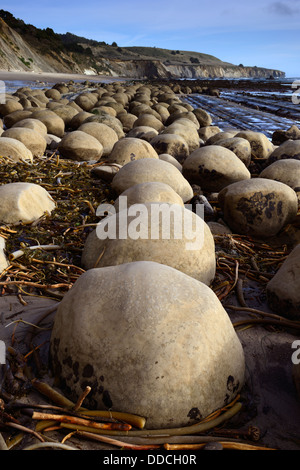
pixel 145 326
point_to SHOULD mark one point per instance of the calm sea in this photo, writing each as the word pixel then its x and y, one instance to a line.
pixel 12 85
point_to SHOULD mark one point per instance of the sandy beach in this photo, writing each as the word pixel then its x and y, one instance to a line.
pixel 54 77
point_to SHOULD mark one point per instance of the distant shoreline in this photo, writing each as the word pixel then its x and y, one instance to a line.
pixel 54 77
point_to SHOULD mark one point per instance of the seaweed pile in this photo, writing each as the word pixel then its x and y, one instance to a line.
pixel 77 197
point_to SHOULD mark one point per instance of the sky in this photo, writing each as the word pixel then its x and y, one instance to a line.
pixel 264 33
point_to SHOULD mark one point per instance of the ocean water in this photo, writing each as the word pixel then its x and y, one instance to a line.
pixel 13 85
pixel 290 83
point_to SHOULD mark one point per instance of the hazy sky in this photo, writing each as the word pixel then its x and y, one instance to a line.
pixel 265 33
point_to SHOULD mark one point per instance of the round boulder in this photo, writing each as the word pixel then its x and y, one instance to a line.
pixel 149 120
pixel 169 234
pixel 86 100
pixel 215 139
pixel 80 146
pixel 66 113
pixel 148 192
pixel 103 133
pixel 213 168
pixel 151 169
pixel 283 290
pixel 207 132
pixel 143 132
pixel 162 111
pixel 172 144
pixel 10 119
pixel 287 150
pixel 110 121
pixel 34 124
pixel 53 94
pixel 130 333
pixel 127 120
pixel 10 106
pixel 32 139
pixel 130 149
pixel 183 117
pixel 106 172
pixel 188 132
pixel 15 150
pixel 54 123
pixel 168 158
pixel 285 171
pixel 258 207
pixel 203 117
pixel 261 146
pixel 24 203
pixel 241 147
pixel 79 119
pixel 279 136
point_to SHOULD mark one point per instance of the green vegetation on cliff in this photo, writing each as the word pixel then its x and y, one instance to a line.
pixel 46 40
pixel 71 53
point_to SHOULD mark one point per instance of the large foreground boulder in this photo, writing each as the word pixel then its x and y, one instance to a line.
pixel 24 203
pixel 148 340
pixel 258 207
pixel 151 169
pixel 283 290
pixel 166 233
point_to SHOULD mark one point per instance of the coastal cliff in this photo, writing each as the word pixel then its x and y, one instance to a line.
pixel 24 47
pixel 158 69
